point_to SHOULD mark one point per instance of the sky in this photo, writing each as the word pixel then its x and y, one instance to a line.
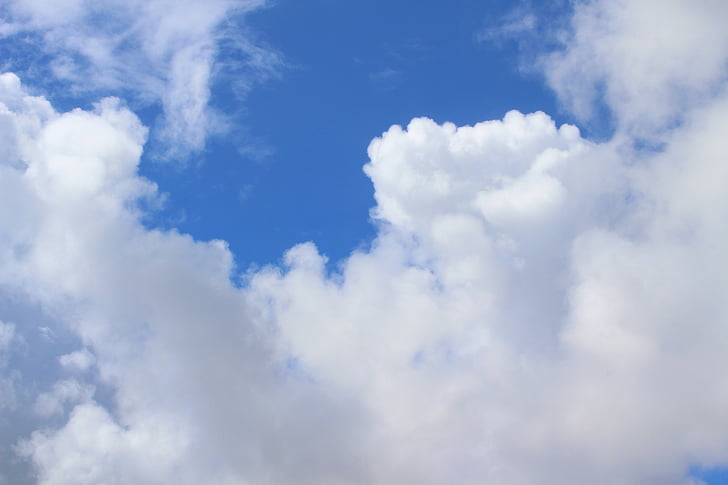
pixel 384 243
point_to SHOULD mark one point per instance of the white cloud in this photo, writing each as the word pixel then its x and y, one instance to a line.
pixel 156 50
pixel 92 448
pixel 649 60
pixel 80 360
pixel 181 347
pixel 536 308
pixel 500 334
pixel 63 392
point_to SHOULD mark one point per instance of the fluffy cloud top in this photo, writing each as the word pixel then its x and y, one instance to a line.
pixel 536 308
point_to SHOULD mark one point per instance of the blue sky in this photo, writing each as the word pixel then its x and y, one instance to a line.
pixel 368 242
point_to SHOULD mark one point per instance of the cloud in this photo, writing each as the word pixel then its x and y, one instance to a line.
pixel 516 23
pixel 159 51
pixel 66 391
pixel 80 360
pixel 386 79
pixel 535 308
pixel 542 317
pixel 81 252
pixel 648 61
pixel 533 28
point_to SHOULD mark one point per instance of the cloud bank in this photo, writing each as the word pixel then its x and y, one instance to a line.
pixel 536 307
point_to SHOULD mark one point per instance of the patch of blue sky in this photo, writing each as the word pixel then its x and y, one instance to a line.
pixel 710 475
pixel 24 56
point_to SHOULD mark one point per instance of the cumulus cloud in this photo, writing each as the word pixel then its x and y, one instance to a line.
pixel 156 51
pixel 535 308
pixel 207 372
pixel 67 391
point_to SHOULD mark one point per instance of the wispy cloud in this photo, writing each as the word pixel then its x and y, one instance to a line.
pixel 386 79
pixel 515 24
pixel 155 51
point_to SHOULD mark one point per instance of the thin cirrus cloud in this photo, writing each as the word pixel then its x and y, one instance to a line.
pixel 535 308
pixel 155 51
